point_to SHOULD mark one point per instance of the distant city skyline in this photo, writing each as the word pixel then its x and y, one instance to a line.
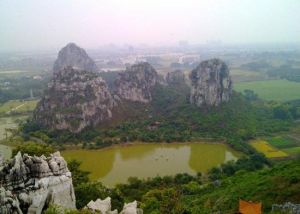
pixel 50 24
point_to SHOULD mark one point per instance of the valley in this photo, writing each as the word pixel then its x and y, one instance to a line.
pixel 171 129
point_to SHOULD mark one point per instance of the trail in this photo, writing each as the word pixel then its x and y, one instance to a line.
pixel 16 108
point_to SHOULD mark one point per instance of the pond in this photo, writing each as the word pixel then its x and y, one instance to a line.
pixel 116 164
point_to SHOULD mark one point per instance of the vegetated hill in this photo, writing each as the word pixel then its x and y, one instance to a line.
pixel 170 118
pixel 275 185
pixel 186 194
pixel 245 179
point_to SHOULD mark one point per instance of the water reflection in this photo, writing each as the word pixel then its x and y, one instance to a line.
pixel 117 164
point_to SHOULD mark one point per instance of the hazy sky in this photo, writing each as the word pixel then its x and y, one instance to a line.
pixel 50 24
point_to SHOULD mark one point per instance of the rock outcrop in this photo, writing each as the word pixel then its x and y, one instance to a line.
pixel 175 77
pixel 210 83
pixel 136 83
pixel 104 207
pixel 74 56
pixel 30 183
pixel 74 100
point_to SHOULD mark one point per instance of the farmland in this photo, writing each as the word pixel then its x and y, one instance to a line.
pixel 268 150
pixel 279 90
pixel 17 106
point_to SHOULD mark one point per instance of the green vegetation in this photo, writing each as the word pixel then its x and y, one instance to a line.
pixel 268 150
pixel 32 148
pixel 279 90
pixel 171 118
pixel 281 143
pixel 251 178
pixel 17 107
pixel 18 85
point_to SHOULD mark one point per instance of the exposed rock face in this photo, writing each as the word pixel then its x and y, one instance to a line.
pixel 131 208
pixel 31 183
pixel 136 83
pixel 74 100
pixel 104 207
pixel 74 56
pixel 210 83
pixel 175 77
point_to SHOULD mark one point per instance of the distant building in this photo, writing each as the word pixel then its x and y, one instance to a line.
pixel 37 77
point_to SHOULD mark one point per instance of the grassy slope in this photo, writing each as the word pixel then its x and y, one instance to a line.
pixel 18 106
pixel 280 90
pixel 279 184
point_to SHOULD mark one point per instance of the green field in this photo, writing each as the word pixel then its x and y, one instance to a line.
pixel 279 90
pixel 17 106
pixel 282 142
pixel 293 150
pixel 268 150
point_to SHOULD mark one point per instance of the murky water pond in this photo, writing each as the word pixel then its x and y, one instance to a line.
pixel 116 164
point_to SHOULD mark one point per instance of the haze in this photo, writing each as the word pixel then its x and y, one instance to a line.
pixel 50 24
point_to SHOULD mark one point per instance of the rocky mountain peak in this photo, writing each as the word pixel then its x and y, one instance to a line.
pixel 136 82
pixel 210 83
pixel 74 100
pixel 74 56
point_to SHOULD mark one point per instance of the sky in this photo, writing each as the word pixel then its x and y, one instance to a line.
pixel 50 24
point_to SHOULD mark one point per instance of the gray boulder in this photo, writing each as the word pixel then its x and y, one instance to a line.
pixel 33 183
pixel 104 207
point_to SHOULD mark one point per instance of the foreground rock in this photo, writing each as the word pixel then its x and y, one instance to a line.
pixel 104 207
pixel 137 82
pixel 210 83
pixel 74 56
pixel 74 100
pixel 29 184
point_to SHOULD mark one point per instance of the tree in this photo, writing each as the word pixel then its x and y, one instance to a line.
pixel 32 148
pixel 78 176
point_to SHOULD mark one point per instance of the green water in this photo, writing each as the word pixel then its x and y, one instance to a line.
pixel 116 164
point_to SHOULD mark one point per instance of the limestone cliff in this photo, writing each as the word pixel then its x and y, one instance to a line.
pixel 31 183
pixel 74 56
pixel 210 83
pixel 136 83
pixel 74 100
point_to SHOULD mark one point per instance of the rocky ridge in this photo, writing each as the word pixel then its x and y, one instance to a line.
pixel 74 100
pixel 136 82
pixel 72 55
pixel 211 83
pixel 31 183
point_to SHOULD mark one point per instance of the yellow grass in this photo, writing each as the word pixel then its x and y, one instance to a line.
pixel 268 150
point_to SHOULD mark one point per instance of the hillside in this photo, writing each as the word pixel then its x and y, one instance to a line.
pixel 275 185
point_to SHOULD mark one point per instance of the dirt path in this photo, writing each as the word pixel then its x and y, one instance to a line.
pixel 16 108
